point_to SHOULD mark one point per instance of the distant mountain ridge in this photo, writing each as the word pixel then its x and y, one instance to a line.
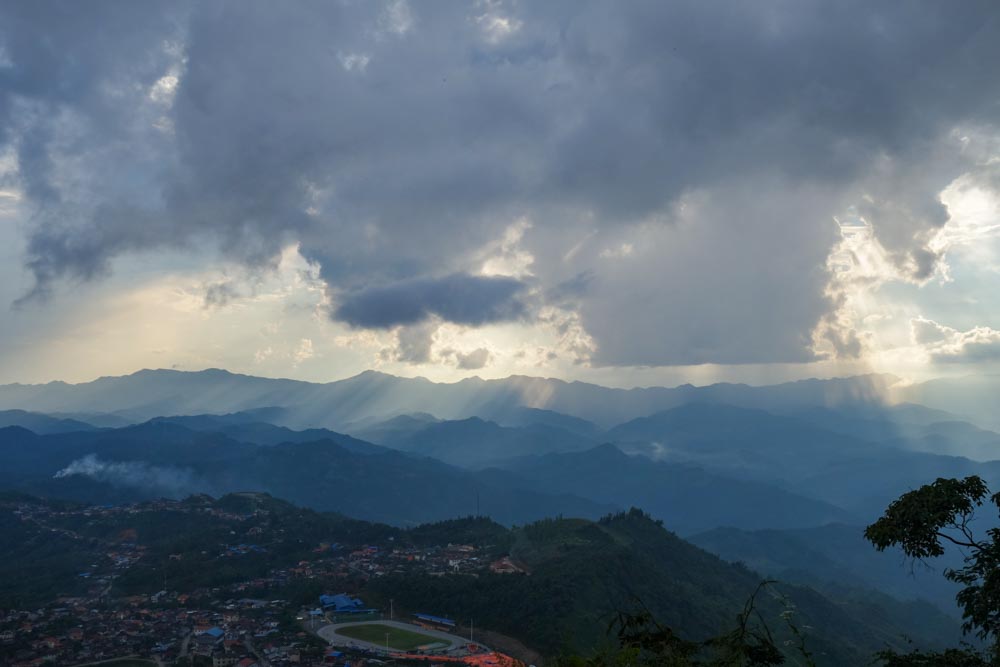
pixel 833 441
pixel 474 442
pixel 855 457
pixel 40 423
pixel 975 398
pixel 152 393
pixel 685 497
pixel 834 557
pixel 335 473
pixel 858 475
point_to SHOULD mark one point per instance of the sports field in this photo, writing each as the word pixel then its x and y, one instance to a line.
pixel 399 639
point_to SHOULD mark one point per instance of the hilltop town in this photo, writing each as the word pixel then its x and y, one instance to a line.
pixel 248 583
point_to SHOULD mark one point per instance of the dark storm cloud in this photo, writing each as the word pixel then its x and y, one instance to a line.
pixel 393 143
pixel 458 298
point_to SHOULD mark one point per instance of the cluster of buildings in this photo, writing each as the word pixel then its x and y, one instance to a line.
pixel 241 624
pixel 72 631
pixel 434 560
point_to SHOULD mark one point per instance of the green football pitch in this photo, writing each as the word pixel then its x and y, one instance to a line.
pixel 399 639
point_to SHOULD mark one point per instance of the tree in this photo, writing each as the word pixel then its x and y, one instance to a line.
pixel 644 642
pixel 926 521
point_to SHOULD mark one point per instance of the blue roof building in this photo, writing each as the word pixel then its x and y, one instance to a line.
pixel 343 604
pixel 435 619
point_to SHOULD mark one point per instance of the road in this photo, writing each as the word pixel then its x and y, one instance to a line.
pixel 260 658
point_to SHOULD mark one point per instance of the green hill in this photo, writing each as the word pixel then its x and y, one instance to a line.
pixel 582 572
pixel 578 573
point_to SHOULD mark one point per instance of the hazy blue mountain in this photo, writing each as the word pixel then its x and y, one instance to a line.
pixel 867 485
pixel 909 426
pixel 834 441
pixel 388 430
pixel 260 433
pixel 266 415
pixel 834 557
pixel 748 442
pixel 473 442
pixel 522 416
pixel 394 488
pixel 163 459
pixel 40 423
pixel 858 475
pixel 97 419
pixel 974 398
pixel 880 418
pixel 686 498
pixel 953 439
pixel 30 456
pixel 151 393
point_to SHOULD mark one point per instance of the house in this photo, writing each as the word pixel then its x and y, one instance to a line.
pixel 215 631
pixel 504 566
pixel 208 640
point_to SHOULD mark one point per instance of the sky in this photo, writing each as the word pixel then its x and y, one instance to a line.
pixel 625 193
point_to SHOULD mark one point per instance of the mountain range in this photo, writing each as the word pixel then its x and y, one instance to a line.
pixel 834 558
pixel 153 393
pixel 163 459
pixel 783 477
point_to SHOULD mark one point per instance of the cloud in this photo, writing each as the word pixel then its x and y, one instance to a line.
pixel 458 298
pixel 396 17
pixel 945 344
pixel 220 294
pixel 414 343
pixel 731 278
pixel 702 148
pixel 172 481
pixel 303 352
pixel 473 360
pixel 468 361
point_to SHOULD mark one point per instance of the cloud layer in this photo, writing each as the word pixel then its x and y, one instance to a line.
pixel 946 344
pixel 671 171
pixel 458 298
